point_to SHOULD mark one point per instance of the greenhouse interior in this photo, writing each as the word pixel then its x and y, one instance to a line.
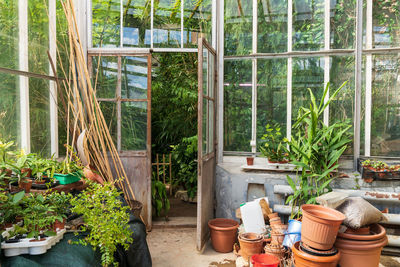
pixel 200 133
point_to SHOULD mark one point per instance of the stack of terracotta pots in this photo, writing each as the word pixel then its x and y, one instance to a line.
pixel 250 244
pixel 319 229
pixel 277 235
pixel 361 247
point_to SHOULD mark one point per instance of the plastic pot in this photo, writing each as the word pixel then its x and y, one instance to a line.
pixel 264 260
pixel 361 250
pixel 293 233
pixel 303 259
pixel 223 234
pixel 320 226
pixel 250 244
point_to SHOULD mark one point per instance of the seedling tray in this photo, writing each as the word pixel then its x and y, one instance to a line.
pixel 24 246
pixel 67 178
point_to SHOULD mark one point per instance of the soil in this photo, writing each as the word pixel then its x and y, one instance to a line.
pixel 224 263
pixel 180 208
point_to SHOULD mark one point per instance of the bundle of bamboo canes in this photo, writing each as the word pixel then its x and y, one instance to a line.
pixel 83 112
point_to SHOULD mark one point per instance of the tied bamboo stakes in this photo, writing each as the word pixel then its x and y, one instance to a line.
pixel 84 113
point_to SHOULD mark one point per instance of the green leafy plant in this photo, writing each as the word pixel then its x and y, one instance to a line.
pixel 272 144
pixel 315 149
pixel 159 197
pixel 60 202
pixel 105 218
pixel 184 157
pixel 71 164
pixel 11 206
pixel 43 168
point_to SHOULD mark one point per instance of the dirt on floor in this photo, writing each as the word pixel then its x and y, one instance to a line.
pixel 180 208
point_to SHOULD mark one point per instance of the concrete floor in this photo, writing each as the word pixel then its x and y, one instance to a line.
pixel 177 248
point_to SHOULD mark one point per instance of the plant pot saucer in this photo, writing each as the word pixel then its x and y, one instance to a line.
pixel 322 253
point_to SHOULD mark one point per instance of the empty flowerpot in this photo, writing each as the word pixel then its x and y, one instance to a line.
pixel 250 244
pixel 223 234
pixel 264 260
pixel 361 250
pixel 303 259
pixel 250 161
pixel 320 226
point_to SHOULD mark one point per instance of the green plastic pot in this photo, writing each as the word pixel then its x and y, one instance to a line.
pixel 67 178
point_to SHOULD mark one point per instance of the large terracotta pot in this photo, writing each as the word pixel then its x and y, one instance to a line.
pixel 361 250
pixel 303 259
pixel 320 226
pixel 250 244
pixel 223 234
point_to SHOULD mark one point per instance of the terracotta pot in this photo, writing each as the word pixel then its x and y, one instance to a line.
pixel 320 226
pixel 250 244
pixel 280 228
pixel 273 215
pixel 40 182
pixel 277 251
pixel 8 172
pixel 250 161
pixel 93 176
pixel 361 250
pixel 223 234
pixel 277 238
pixel 26 184
pixel 59 225
pixel 28 172
pixel 303 259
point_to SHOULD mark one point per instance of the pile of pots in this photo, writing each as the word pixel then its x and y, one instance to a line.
pixel 322 245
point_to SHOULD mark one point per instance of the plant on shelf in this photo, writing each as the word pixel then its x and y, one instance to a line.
pixel 315 149
pixel 5 153
pixel 273 145
pixel 60 203
pixel 17 168
pixel 105 218
pixel 38 217
pixel 11 207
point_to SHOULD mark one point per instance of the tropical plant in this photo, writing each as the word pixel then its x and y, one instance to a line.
pixel 315 149
pixel 105 218
pixel 60 202
pixel 11 206
pixel 43 167
pixel 159 197
pixel 273 144
pixel 71 164
pixel 184 157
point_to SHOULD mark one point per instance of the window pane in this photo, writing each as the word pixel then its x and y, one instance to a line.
pixel 204 126
pixel 133 125
pixel 343 24
pixel 238 27
pixel 136 23
pixel 106 23
pixel 308 25
pixel 211 118
pixel 272 26
pixel 386 23
pixel 307 73
pixel 385 122
pixel 107 76
pixel 197 21
pixel 39 112
pixel 342 108
pixel 271 94
pixel 9 108
pixel 109 110
pixel 9 34
pixel 167 23
pixel 134 78
pixel 237 105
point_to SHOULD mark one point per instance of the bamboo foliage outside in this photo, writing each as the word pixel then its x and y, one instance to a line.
pixel 84 113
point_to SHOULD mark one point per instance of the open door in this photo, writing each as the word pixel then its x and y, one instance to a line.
pixel 206 139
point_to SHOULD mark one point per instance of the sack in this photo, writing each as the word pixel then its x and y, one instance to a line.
pixel 359 213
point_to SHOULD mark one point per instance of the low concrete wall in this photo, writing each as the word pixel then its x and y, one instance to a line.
pixel 234 187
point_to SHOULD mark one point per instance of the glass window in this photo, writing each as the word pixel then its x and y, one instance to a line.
pixel 386 23
pixel 133 125
pixel 272 26
pixel 167 23
pixel 109 110
pixel 9 107
pixel 385 118
pixel 106 75
pixel 307 73
pixel 238 27
pixel 106 23
pixel 134 78
pixel 9 34
pixel 237 105
pixel 136 23
pixel 271 94
pixel 197 21
pixel 342 24
pixel 308 25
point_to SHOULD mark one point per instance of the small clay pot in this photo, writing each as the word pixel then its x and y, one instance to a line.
pixel 59 225
pixel 28 172
pixel 250 161
pixel 320 226
pixel 250 244
pixel 275 221
pixel 40 182
pixel 273 215
pixel 280 228
pixel 303 259
pixel 26 184
pixel 277 238
pixel 223 234
pixel 361 250
pixel 277 251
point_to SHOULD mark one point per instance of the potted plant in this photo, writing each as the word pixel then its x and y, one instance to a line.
pixel 38 218
pixel 60 203
pixel 23 182
pixel 272 146
pixel 315 149
pixel 11 208
pixel 70 170
pixel 105 218
pixel 5 152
